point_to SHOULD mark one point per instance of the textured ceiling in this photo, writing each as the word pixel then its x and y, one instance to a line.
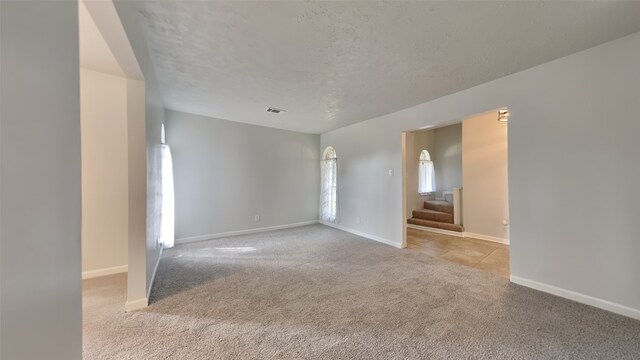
pixel 331 64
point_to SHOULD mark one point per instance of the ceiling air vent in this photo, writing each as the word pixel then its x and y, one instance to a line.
pixel 275 110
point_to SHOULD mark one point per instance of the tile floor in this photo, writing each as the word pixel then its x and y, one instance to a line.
pixel 480 254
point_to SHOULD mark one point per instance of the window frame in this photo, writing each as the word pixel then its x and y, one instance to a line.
pixel 426 174
pixel 329 187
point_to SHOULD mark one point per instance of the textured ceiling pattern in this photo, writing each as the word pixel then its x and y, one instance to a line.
pixel 331 64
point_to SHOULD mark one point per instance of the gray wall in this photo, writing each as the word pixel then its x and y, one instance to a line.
pixel 447 157
pixel 445 147
pixel 226 173
pixel 40 181
pixel 574 127
pixel 154 112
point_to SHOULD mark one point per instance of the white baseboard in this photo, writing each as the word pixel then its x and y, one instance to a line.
pixel 460 234
pixel 487 238
pixel 136 304
pixel 578 297
pixel 241 232
pixel 104 272
pixel 364 235
pixel 153 276
pixel 437 231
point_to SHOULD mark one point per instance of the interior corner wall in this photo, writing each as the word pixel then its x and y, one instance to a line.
pixel 40 181
pixel 447 157
pixel 225 173
pixel 104 171
pixel 422 140
pixel 485 193
pixel 154 118
pixel 573 137
pixel 137 214
pixel 154 114
pixel 445 148
pixel 411 173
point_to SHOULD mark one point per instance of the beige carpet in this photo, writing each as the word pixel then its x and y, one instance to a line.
pixel 319 293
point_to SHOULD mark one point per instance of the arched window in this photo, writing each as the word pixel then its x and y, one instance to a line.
pixel 329 186
pixel 427 175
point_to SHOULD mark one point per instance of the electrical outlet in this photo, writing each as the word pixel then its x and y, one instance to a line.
pixel 359 219
pixel 256 218
pixel 390 172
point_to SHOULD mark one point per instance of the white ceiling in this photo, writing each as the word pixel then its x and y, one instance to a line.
pixel 95 54
pixel 331 64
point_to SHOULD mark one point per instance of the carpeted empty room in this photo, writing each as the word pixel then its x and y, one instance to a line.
pixel 315 292
pixel 328 180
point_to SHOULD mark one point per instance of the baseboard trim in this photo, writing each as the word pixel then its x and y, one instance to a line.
pixel 364 235
pixel 487 238
pixel 460 234
pixel 191 239
pixel 437 231
pixel 578 297
pixel 104 272
pixel 153 276
pixel 136 304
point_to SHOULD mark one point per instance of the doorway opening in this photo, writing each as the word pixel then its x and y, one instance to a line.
pixel 455 191
pixel 114 160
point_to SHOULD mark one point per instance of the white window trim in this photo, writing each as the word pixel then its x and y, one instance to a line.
pixel 426 174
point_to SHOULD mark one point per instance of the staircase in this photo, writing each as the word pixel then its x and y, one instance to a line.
pixel 435 214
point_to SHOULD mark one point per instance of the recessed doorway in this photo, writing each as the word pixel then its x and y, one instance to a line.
pixel 455 191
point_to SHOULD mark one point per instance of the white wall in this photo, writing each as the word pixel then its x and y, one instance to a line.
pixel 40 295
pixel 104 171
pixel 573 128
pixel 485 191
pixel 138 284
pixel 154 115
pixel 225 173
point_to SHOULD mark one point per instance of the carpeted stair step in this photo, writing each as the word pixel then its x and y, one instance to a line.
pixel 426 214
pixel 436 224
pixel 439 205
